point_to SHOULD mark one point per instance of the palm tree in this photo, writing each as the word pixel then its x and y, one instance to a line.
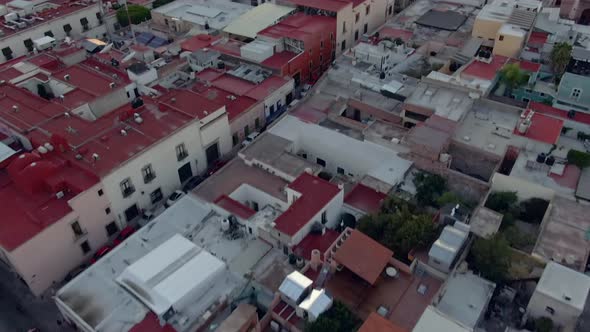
pixel 560 57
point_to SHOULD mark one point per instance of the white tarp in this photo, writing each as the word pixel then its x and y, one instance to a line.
pixel 316 303
pixel 294 285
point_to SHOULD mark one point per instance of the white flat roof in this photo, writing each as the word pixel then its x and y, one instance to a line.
pixel 433 320
pixel 294 285
pixel 257 19
pixel 155 278
pixel 564 285
pixel 465 298
pixel 96 299
pixel 217 14
pixel 512 30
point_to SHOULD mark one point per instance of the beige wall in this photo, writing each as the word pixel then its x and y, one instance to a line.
pixel 486 29
pixel 248 118
pixel 50 255
pixel 510 46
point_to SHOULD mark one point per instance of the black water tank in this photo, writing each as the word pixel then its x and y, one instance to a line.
pixel 550 160
pixel 382 75
pixel 541 157
pixel 221 65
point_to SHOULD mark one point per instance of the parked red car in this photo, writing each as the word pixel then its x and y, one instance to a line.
pixel 100 253
pixel 218 165
pixel 124 234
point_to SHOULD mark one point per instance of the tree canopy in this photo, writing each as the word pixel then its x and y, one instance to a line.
pixel 428 188
pixel 512 76
pixel 337 319
pixel 137 14
pixel 504 202
pixel 560 57
pixel 400 231
pixel 491 258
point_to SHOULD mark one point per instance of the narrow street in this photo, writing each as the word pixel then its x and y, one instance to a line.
pixel 21 311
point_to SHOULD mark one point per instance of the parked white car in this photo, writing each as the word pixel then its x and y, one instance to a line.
pixel 250 138
pixel 176 195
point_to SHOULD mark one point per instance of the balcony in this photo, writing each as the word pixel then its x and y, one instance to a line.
pixel 128 191
pixel 148 178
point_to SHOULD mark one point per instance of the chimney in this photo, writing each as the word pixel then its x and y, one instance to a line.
pixel 316 259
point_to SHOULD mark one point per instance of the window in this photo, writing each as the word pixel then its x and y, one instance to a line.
pixel 100 192
pixel 67 29
pixel 84 22
pixel 257 123
pixel 357 17
pixel 321 44
pixel 156 195
pixel 247 128
pixel 250 230
pixel 501 38
pixel 310 65
pixel 542 94
pixel 148 173
pixel 7 53
pixel 331 36
pixel 235 139
pixel 550 310
pixel 255 206
pixel 576 93
pixel 127 187
pixel 321 59
pixel 340 170
pixel 343 47
pixel 321 162
pixel 77 229
pixel 49 33
pixel 304 155
pixel 107 210
pixel 390 10
pixel 366 28
pixel 181 152
pixel 526 100
pixel 356 35
pixel 85 247
pixel 367 10
pixel 111 228
pixel 343 27
pixel 29 44
pixel 324 218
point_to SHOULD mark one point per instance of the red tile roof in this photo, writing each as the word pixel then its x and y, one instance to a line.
pixel 234 207
pixel 486 71
pixel 234 105
pixel 198 42
pixel 556 112
pixel 151 323
pixel 537 39
pixel 185 101
pixel 266 88
pixel 299 26
pixel 279 60
pixel 527 65
pixel 376 323
pixel 315 241
pixel 543 128
pixel 28 190
pixel 363 256
pixel 315 193
pixel 365 199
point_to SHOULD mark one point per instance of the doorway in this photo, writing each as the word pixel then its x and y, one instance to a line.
pixel 185 172
pixel 131 213
pixel 212 153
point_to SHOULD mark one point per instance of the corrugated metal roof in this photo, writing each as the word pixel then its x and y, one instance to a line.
pixel 257 19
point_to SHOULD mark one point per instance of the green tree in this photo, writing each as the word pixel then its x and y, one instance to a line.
pixel 543 324
pixel 448 197
pixel 491 258
pixel 578 158
pixel 560 57
pixel 400 231
pixel 137 14
pixel 502 201
pixel 336 319
pixel 512 77
pixel 429 187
